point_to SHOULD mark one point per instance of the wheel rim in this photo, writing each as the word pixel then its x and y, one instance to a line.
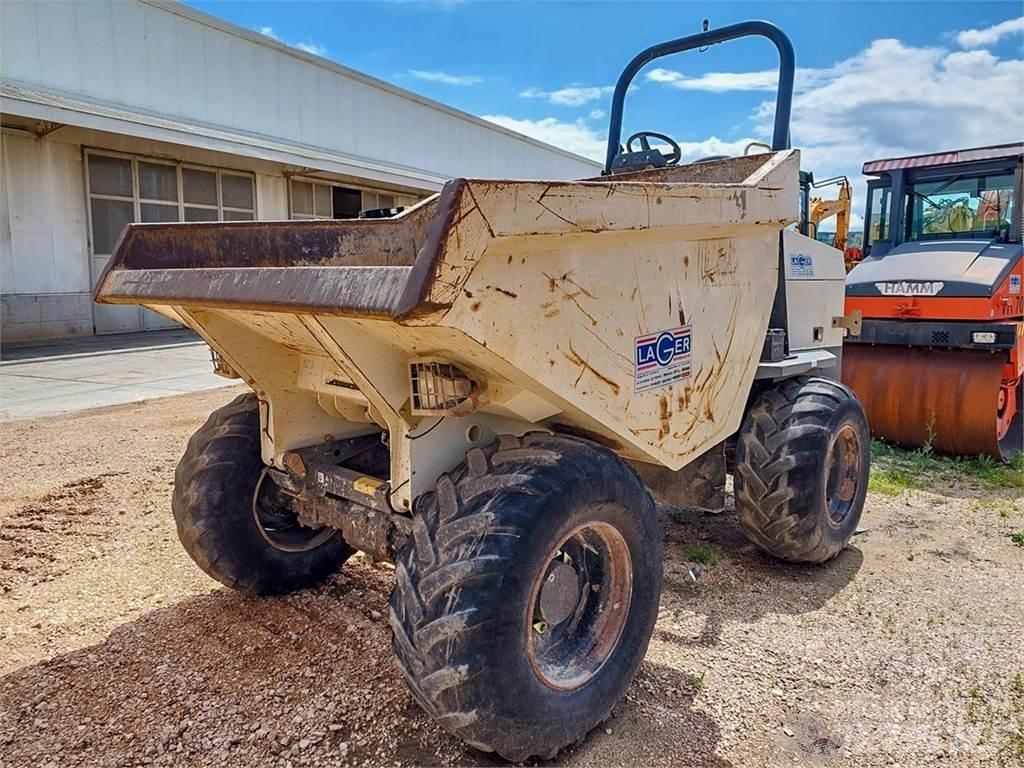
pixel 579 604
pixel 277 521
pixel 842 479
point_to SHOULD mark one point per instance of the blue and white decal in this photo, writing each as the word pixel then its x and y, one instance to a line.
pixel 661 358
pixel 801 265
pixel 1014 283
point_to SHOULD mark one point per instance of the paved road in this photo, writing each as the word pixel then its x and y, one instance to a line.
pixel 62 377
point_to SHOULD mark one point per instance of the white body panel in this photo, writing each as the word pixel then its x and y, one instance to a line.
pixel 815 292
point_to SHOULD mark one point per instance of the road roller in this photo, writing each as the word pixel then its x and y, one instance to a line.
pixel 489 388
pixel 939 358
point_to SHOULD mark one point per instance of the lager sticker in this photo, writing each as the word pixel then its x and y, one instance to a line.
pixel 661 358
pixel 801 265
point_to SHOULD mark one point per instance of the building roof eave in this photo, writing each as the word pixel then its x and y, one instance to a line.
pixel 53 106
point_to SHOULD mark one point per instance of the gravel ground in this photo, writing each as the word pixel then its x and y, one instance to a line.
pixel 907 650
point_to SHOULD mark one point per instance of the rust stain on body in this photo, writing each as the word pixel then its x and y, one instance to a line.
pixel 555 284
pixel 665 414
pixel 504 291
pixel 576 358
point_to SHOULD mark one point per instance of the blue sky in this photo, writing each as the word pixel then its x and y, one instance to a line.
pixel 874 78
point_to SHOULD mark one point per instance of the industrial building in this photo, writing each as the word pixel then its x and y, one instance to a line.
pixel 150 111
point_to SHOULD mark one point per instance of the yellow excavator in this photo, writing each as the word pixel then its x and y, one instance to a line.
pixel 816 210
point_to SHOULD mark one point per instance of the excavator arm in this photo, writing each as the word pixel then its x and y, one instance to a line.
pixel 820 209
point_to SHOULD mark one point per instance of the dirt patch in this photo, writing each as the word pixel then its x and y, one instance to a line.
pixel 907 649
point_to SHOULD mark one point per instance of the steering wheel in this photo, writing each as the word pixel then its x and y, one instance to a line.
pixel 671 158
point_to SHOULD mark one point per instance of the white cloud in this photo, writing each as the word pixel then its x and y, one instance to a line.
pixel 720 82
pixel 893 99
pixel 978 38
pixel 437 76
pixel 309 47
pixel 315 48
pixel 597 114
pixel 570 96
pixel 575 137
pixel 715 81
pixel 580 138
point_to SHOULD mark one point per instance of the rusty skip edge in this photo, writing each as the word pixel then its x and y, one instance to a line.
pixel 280 266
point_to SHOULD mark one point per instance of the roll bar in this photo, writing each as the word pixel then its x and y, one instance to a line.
pixel 783 100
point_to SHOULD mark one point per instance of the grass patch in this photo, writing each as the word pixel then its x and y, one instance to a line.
pixel 891 481
pixel 1002 507
pixel 1017 537
pixel 896 470
pixel 700 554
pixel 992 471
pixel 695 681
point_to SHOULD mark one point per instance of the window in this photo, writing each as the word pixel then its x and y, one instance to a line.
pixel 237 196
pixel 963 205
pixel 123 189
pixel 111 200
pixel 877 225
pixel 322 200
pixel 347 203
pixel 199 194
pixel 312 201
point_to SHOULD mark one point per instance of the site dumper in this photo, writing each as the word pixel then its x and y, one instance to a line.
pixel 487 388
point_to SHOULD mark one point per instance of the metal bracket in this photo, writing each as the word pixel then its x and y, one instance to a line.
pixel 796 363
pixel 221 367
pixel 355 503
pixel 852 322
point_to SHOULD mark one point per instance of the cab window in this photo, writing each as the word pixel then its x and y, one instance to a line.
pixel 876 225
pixel 961 206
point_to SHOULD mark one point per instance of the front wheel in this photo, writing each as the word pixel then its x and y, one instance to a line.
pixel 233 520
pixel 527 593
pixel 802 462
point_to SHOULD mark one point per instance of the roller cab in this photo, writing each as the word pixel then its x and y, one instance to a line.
pixel 941 351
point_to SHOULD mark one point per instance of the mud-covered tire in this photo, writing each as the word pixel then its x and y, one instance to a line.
pixel 466 581
pixel 796 441
pixel 213 510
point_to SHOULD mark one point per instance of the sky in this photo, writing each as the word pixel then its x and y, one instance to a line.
pixel 874 79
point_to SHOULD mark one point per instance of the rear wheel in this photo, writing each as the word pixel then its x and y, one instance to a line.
pixel 235 522
pixel 527 593
pixel 802 463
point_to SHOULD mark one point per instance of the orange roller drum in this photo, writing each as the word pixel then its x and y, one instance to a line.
pixel 943 398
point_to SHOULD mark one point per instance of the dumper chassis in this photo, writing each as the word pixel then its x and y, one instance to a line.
pixel 487 390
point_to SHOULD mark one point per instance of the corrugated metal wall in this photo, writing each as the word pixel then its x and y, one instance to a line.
pixel 44 255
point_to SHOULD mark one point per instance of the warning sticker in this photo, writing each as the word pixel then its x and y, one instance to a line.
pixel 662 358
pixel 1014 283
pixel 801 265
